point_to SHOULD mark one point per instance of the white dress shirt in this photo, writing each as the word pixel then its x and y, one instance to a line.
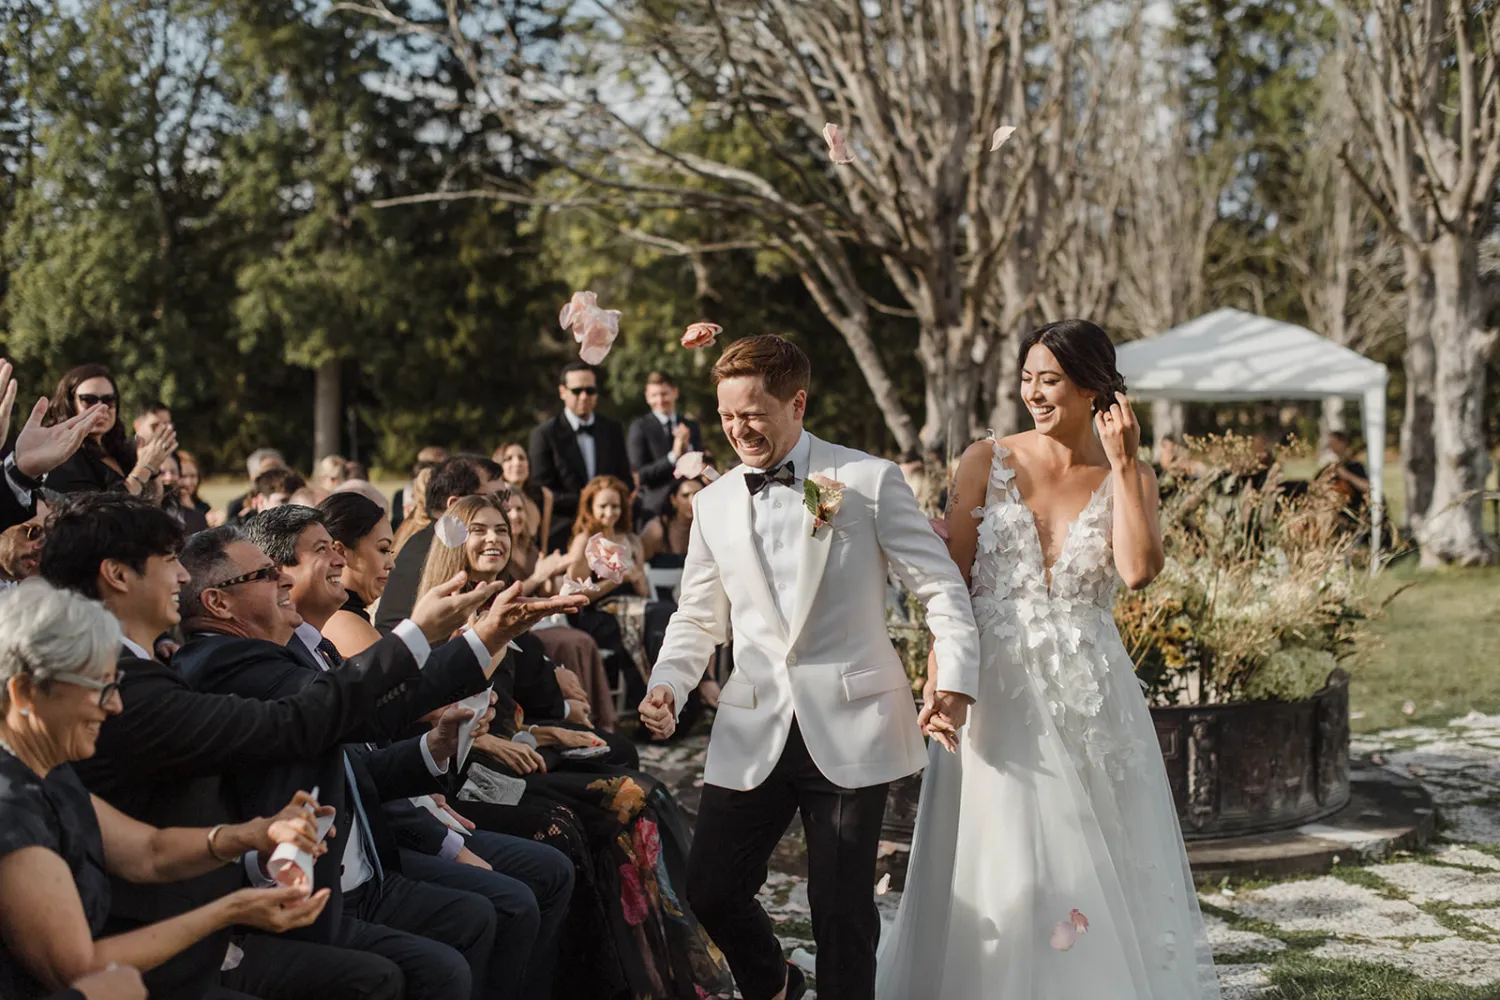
pixel 775 519
pixel 135 648
pixel 586 442
pixel 667 420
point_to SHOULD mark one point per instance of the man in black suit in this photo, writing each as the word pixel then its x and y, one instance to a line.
pixel 528 883
pixel 574 447
pixel 163 758
pixel 238 611
pixel 454 479
pixel 657 440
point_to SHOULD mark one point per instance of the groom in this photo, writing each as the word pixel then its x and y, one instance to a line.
pixel 818 715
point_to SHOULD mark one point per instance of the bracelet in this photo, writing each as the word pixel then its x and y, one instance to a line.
pixel 212 852
pixel 148 468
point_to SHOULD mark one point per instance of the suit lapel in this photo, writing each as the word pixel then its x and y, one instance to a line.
pixel 813 547
pixel 742 536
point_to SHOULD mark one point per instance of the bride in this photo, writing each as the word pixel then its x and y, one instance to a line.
pixel 1048 863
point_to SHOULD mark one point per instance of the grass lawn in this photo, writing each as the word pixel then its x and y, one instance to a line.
pixel 1438 646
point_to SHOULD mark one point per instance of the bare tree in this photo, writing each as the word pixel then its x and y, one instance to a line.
pixel 918 87
pixel 1431 114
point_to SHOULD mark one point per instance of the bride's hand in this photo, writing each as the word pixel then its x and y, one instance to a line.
pixel 1119 432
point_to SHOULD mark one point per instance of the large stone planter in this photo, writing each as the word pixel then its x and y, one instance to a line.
pixel 1253 767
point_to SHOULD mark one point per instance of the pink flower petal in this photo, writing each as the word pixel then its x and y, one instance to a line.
pixel 608 560
pixel 571 586
pixel 593 328
pixel 884 885
pixel 1079 921
pixel 1064 937
pixel 701 335
pixel 1001 134
pixel 838 149
pixel 689 466
pixel 450 531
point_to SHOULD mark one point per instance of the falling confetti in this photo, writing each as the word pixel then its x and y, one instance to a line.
pixel 608 560
pixel 571 586
pixel 1001 134
pixel 701 335
pixel 595 329
pixel 838 150
pixel 1064 937
pixel 1079 921
pixel 451 531
pixel 1408 707
pixel 884 885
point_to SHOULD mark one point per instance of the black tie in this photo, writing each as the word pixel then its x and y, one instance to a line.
pixel 786 475
pixel 584 429
pixel 330 651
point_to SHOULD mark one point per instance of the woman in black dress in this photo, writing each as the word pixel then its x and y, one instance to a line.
pixel 59 844
pixel 107 460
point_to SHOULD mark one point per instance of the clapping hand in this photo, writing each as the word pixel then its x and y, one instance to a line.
pixel 1119 432
pixel 682 440
pixel 40 449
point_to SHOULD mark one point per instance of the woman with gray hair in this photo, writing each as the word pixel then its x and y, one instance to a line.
pixel 59 844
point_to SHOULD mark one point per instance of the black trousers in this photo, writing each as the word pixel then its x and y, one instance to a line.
pixel 440 938
pixel 279 968
pixel 734 839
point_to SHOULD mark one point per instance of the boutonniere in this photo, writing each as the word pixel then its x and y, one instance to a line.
pixel 822 497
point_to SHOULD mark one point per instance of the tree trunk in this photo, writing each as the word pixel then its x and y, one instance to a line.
pixel 951 390
pixel 1454 528
pixel 1009 414
pixel 327 410
pixel 1418 449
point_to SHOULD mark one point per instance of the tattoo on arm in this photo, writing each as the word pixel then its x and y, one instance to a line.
pixel 952 499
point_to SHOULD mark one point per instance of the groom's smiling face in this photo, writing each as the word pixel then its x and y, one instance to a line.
pixel 761 428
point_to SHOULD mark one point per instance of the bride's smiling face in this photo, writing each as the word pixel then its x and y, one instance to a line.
pixel 1054 400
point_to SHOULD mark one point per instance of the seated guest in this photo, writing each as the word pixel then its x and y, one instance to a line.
pixel 413 507
pixel 237 609
pixel 665 543
pixel 405 499
pixel 616 617
pixel 187 515
pixel 107 460
pixel 624 832
pixel 57 664
pixel 307 496
pixel 189 478
pixel 273 488
pixel 573 649
pixel 529 907
pixel 515 464
pixel 457 477
pixel 329 472
pixel 21 550
pixel 260 460
pixel 366 489
pixel 164 759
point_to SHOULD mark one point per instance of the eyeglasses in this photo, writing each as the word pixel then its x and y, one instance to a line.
pixel 89 399
pixel 264 573
pixel 583 390
pixel 106 689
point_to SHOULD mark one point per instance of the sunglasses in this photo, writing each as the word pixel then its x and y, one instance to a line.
pixel 106 689
pixel 583 390
pixel 89 399
pixel 31 532
pixel 264 573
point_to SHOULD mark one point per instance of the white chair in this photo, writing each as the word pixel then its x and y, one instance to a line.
pixel 660 579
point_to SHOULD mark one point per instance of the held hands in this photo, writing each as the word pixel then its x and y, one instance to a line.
pixel 659 713
pixel 1119 432
pixel 943 712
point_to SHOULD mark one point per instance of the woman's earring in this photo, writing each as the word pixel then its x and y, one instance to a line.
pixel 25 713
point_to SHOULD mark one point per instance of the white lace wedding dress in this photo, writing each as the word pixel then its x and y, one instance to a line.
pixel 1056 801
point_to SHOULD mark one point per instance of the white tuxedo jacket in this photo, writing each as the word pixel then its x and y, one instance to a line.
pixel 833 664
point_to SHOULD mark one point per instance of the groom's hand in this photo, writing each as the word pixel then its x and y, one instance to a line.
pixel 659 712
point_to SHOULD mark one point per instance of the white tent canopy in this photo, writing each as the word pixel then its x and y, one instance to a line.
pixel 1233 356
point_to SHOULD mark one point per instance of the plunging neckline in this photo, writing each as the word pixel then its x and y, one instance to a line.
pixel 1036 531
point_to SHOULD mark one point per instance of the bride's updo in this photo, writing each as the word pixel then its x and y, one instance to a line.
pixel 1086 355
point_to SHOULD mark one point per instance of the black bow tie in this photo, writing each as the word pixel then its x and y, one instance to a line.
pixel 584 429
pixel 786 475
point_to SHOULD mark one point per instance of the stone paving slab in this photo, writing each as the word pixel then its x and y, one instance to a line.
pixel 1435 915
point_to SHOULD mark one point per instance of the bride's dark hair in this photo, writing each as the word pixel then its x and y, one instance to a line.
pixel 1086 355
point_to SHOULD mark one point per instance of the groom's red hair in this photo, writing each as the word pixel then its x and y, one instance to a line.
pixel 779 362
